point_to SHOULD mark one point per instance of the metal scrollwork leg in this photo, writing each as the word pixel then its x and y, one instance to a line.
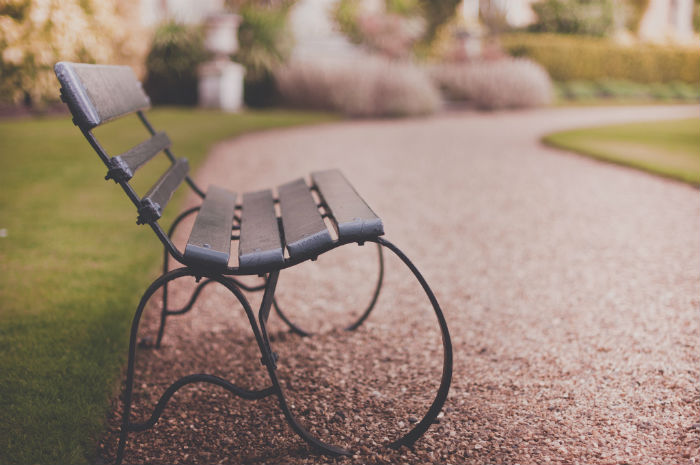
pixel 269 358
pixel 126 413
pixel 422 426
pixel 127 426
pixel 302 332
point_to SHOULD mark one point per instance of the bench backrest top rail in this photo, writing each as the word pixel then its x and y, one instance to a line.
pixel 100 93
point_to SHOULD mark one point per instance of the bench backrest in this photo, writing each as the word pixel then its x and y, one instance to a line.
pixel 99 93
pixel 96 94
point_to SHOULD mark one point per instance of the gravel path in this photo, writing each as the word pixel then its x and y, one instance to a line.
pixel 571 288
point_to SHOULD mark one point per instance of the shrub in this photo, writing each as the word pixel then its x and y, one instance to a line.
pixel 35 34
pixel 171 65
pixel 587 17
pixel 620 89
pixel 580 90
pixel 504 83
pixel 568 58
pixel 661 91
pixel 363 86
pixel 683 90
pixel 437 13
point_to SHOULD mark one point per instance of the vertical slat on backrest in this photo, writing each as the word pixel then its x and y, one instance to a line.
pixel 99 93
pixel 155 200
pixel 122 167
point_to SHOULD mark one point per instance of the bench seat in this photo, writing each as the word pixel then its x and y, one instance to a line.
pixel 299 229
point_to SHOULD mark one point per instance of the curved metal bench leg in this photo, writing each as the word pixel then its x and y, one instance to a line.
pixel 261 338
pixel 270 361
pixel 158 283
pixel 422 426
pixel 380 279
pixel 292 327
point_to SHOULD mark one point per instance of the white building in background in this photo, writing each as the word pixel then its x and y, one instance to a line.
pixel 518 13
pixel 666 20
pixel 663 20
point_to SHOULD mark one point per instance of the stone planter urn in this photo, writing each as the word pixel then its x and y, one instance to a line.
pixel 220 79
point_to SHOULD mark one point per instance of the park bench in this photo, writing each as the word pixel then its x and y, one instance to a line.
pixel 268 241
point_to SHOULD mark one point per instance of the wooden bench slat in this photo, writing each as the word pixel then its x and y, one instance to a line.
pixel 352 217
pixel 100 93
pixel 260 244
pixel 123 166
pixel 155 200
pixel 209 243
pixel 305 233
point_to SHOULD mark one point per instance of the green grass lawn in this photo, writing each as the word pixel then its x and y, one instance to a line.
pixel 73 265
pixel 666 148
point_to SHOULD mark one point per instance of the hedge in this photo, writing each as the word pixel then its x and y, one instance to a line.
pixel 568 58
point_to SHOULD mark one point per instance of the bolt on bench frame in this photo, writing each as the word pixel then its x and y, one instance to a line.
pixel 96 94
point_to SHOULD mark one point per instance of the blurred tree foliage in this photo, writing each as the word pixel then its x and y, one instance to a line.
pixel 432 15
pixel 583 17
pixel 35 34
pixel 635 12
pixel 171 65
pixel 346 15
pixel 437 12
pixel 404 7
pixel 264 38
pixel 265 43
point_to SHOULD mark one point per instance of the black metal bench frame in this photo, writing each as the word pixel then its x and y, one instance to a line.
pixel 96 94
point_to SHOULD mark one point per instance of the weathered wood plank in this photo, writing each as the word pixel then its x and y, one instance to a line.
pixel 260 243
pixel 305 233
pixel 209 243
pixel 352 217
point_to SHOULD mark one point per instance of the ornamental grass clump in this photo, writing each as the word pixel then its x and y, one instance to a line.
pixel 498 84
pixel 364 86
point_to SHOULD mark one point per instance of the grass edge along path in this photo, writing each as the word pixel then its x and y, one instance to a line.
pixel 667 148
pixel 73 266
